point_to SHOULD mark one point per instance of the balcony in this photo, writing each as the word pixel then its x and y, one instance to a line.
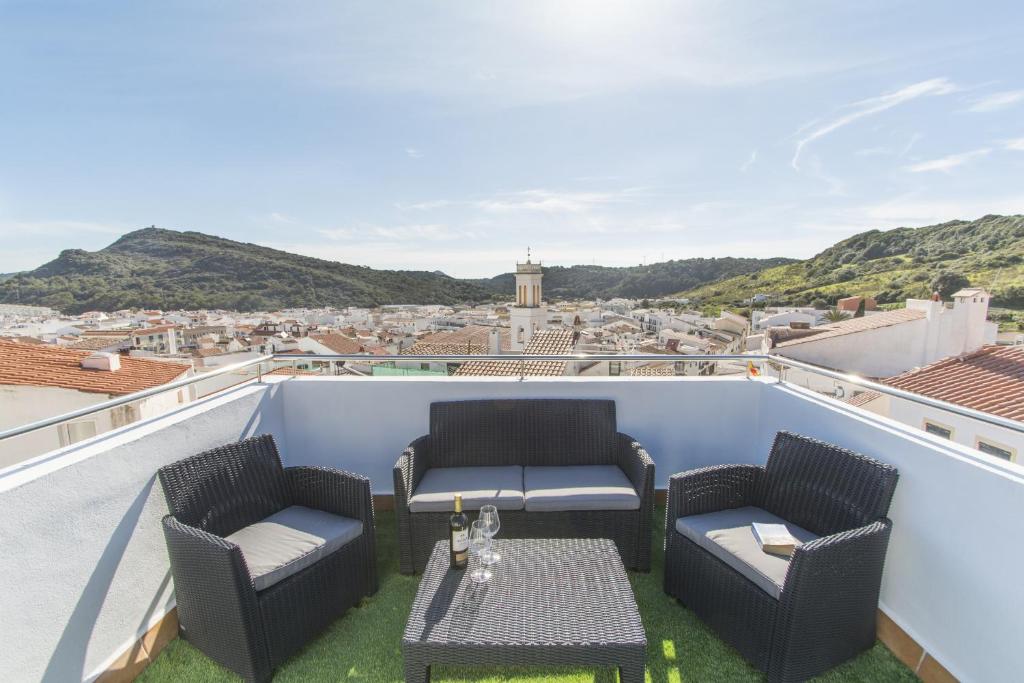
pixel 88 592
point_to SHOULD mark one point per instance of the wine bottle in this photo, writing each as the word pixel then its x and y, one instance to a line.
pixel 458 536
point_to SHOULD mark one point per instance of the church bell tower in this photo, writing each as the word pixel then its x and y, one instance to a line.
pixel 529 313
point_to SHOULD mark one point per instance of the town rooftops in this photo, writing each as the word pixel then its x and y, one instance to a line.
pixel 471 340
pixel 991 379
pixel 970 292
pixel 854 325
pixel 50 366
pixel 551 342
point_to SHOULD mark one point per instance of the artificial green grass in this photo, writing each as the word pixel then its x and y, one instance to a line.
pixel 365 644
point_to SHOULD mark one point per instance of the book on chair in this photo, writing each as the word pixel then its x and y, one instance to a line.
pixel 775 539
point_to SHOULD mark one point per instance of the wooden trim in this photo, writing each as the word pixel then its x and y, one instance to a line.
pixel 911 653
pixel 143 652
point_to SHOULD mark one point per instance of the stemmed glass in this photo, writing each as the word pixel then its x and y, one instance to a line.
pixel 489 516
pixel 478 542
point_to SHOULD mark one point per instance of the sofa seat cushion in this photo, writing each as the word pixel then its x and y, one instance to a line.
pixel 501 487
pixel 291 540
pixel 727 535
pixel 578 487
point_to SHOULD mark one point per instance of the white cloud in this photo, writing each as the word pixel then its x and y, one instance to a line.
pixel 413 153
pixel 551 201
pixel 432 232
pixel 749 163
pixel 995 101
pixel 57 228
pixel 869 107
pixel 1016 145
pixel 947 163
pixel 282 218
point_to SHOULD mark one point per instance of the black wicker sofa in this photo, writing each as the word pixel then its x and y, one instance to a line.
pixel 264 557
pixel 554 468
pixel 791 618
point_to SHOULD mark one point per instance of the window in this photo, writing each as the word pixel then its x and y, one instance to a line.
pixel 938 430
pixel 990 448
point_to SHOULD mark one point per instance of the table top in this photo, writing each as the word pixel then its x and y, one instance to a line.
pixel 571 592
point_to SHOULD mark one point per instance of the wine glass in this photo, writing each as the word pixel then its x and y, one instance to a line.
pixel 489 515
pixel 478 543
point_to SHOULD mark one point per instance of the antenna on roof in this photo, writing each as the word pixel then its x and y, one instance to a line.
pixel 527 254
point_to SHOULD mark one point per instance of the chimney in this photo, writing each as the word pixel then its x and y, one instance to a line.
pixel 109 362
pixel 936 296
pixel 494 342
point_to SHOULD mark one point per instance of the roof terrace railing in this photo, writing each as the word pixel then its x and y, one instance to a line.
pixel 779 363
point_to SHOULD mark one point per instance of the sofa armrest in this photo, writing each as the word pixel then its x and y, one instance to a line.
pixel 217 604
pixel 710 489
pixel 331 490
pixel 409 469
pixel 834 580
pixel 637 464
pixel 639 469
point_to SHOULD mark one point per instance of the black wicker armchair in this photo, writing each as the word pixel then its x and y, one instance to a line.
pixel 264 557
pixel 556 468
pixel 792 619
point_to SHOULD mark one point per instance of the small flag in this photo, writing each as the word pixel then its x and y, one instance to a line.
pixel 752 370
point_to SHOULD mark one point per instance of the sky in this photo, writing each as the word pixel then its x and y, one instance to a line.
pixel 453 135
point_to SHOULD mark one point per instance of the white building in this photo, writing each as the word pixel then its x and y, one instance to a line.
pixel 890 342
pixel 39 381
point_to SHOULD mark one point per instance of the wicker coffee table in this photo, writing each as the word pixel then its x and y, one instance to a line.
pixel 551 602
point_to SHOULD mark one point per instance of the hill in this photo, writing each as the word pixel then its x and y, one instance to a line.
pixel 891 265
pixel 167 269
pixel 635 282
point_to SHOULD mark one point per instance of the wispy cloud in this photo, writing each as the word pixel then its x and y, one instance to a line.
pixel 749 163
pixel 433 232
pixel 1016 145
pixel 996 101
pixel 413 153
pixel 282 218
pixel 869 107
pixel 536 200
pixel 947 163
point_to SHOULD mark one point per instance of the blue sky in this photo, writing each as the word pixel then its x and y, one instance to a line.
pixel 452 135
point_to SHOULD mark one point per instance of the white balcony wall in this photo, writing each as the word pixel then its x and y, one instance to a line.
pixel 84 564
pixel 952 577
pixel 363 424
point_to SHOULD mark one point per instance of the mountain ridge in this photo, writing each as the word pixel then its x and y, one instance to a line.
pixel 170 269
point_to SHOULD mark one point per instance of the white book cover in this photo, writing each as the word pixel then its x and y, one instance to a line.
pixel 774 536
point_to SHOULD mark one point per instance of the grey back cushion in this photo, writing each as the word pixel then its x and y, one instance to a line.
pixel 727 535
pixel 578 487
pixel 522 432
pixel 291 540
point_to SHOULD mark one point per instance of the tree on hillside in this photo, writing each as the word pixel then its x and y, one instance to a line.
pixel 947 282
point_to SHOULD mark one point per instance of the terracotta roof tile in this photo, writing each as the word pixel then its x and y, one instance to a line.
pixel 542 343
pixel 862 398
pixel 854 325
pixel 25 365
pixel 338 343
pixel 990 379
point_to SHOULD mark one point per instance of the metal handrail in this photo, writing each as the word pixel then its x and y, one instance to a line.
pixel 778 361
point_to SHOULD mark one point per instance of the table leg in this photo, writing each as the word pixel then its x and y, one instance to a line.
pixel 632 673
pixel 416 672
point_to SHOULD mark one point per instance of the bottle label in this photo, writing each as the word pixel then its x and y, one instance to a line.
pixel 460 541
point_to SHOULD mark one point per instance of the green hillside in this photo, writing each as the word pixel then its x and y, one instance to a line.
pixel 166 269
pixel 891 266
pixel 634 282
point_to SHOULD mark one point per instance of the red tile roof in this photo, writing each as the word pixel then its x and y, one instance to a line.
pixel 38 366
pixel 471 340
pixel 990 379
pixel 542 343
pixel 854 325
pixel 338 343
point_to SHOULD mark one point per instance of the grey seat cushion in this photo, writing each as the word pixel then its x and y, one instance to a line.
pixel 727 535
pixel 501 487
pixel 578 487
pixel 288 541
